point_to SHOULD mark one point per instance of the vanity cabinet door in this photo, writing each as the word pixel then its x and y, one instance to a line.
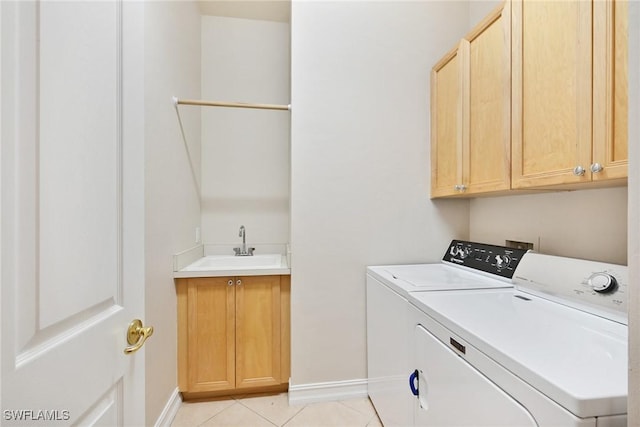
pixel 258 333
pixel 207 323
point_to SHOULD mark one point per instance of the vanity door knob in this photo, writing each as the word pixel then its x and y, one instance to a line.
pixel 238 282
pixel 596 168
pixel 578 171
pixel 230 282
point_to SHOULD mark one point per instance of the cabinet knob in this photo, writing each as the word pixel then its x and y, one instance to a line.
pixel 463 187
pixel 459 187
pixel 238 282
pixel 578 171
pixel 596 167
pixel 230 282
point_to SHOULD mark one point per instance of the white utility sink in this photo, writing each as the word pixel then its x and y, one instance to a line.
pixel 230 262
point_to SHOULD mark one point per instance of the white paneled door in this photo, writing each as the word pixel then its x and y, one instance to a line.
pixel 72 211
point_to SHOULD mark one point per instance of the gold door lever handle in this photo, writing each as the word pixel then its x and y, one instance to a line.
pixel 137 335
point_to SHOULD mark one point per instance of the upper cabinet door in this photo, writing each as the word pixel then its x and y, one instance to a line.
pixel 471 112
pixel 610 90
pixel 551 92
pixel 446 126
pixel 486 123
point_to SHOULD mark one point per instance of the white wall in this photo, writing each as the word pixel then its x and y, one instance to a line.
pixel 245 153
pixel 172 67
pixel 360 166
pixel 478 9
pixel 589 224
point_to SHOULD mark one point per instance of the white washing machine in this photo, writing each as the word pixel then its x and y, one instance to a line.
pixel 550 352
pixel 465 265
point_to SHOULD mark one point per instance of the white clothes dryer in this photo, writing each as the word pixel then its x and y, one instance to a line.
pixel 552 351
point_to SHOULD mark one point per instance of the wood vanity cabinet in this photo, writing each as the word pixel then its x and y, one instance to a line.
pixel 470 114
pixel 233 334
pixel 569 95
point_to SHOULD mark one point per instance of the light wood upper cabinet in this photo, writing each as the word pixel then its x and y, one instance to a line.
pixel 233 334
pixel 567 115
pixel 535 97
pixel 610 88
pixel 470 112
pixel 446 125
pixel 551 94
pixel 486 129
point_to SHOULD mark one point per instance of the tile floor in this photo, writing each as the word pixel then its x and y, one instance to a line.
pixel 274 410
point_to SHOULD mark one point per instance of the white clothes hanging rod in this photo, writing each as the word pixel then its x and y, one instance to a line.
pixel 177 102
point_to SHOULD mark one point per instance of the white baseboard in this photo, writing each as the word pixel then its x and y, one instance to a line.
pixel 170 410
pixel 324 392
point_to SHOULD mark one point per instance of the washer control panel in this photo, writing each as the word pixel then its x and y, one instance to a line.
pixel 498 260
pixel 601 287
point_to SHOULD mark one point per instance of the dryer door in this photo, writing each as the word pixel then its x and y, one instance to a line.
pixel 451 392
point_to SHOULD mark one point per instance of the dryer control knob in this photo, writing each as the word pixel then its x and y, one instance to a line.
pixel 503 261
pixel 602 282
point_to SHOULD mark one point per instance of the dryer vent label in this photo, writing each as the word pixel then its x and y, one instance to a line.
pixel 462 349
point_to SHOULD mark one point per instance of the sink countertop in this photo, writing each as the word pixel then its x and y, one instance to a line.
pixel 220 270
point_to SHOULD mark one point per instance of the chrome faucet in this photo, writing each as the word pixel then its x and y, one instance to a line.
pixel 243 250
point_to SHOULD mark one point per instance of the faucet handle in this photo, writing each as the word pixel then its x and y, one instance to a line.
pixel 240 252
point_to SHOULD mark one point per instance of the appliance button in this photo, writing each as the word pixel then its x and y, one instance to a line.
pixel 603 283
pixel 503 261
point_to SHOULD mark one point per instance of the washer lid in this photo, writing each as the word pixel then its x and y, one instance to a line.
pixel 577 359
pixel 433 277
pixel 441 276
